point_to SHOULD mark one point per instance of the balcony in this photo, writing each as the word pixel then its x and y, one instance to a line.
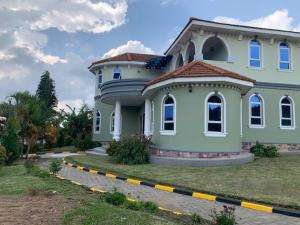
pixel 127 91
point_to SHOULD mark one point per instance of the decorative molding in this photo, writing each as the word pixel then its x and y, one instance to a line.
pixel 241 37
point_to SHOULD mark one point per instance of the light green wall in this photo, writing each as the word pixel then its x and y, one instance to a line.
pixel 272 132
pixel 190 122
pixel 238 54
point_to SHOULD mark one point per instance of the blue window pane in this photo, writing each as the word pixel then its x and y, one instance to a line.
pixel 284 66
pixel 285 122
pixel 169 113
pixel 255 52
pixel 97 121
pixel 214 127
pixel 254 63
pixel 255 109
pixel 286 111
pixel 284 55
pixel 284 45
pixel 117 76
pixel 255 98
pixel 169 126
pixel 214 112
pixel 100 78
pixel 256 121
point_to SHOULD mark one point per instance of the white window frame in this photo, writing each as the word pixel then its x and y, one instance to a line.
pixel 152 118
pixel 95 128
pixel 262 112
pixel 279 57
pixel 293 117
pixel 260 55
pixel 114 73
pixel 223 133
pixel 100 74
pixel 162 130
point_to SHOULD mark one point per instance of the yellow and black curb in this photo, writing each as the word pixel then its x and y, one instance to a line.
pixel 245 204
pixel 96 190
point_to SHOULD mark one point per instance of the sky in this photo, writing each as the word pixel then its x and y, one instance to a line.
pixel 66 36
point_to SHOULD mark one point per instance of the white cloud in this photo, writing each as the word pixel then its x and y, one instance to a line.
pixel 130 46
pixel 279 19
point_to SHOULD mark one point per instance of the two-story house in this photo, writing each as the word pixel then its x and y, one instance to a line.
pixel 218 89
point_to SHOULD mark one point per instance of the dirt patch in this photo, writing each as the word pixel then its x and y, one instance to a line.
pixel 35 209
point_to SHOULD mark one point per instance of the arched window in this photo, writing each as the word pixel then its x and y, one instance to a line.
pixel 168 114
pixel 117 73
pixel 284 56
pixel 215 49
pixel 256 111
pixel 98 122
pixel 100 78
pixel 190 53
pixel 215 114
pixel 255 54
pixel 112 122
pixel 287 116
pixel 179 61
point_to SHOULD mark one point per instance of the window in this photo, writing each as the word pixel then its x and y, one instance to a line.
pixel 168 115
pixel 100 77
pixel 256 111
pixel 98 122
pixel 286 113
pixel 214 114
pixel 255 54
pixel 112 122
pixel 117 73
pixel 284 56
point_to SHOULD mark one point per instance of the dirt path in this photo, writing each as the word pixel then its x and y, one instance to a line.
pixel 33 210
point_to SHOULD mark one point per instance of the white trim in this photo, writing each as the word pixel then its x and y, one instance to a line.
pixel 223 133
pixel 262 113
pixel 95 131
pixel 222 39
pixel 260 55
pixel 293 116
pixel 113 72
pixel 241 117
pixel 152 118
pixel 118 63
pixel 162 121
pixel 290 58
pixel 197 79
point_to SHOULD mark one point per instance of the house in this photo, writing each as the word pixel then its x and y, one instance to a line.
pixel 217 90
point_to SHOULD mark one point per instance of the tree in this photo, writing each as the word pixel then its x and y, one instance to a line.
pixel 46 91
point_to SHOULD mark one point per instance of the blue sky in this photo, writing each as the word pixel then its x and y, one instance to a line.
pixel 65 38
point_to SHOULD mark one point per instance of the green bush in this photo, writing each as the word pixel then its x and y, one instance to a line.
pixel 224 217
pixel 68 141
pixel 133 205
pixel 130 150
pixel 35 148
pixel 261 150
pixel 86 143
pixel 55 166
pixel 115 198
pixel 37 172
pixel 151 207
pixel 114 148
pixel 196 219
pixel 2 155
pixel 12 146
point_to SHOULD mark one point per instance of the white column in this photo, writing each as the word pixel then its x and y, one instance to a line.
pixel 147 121
pixel 117 128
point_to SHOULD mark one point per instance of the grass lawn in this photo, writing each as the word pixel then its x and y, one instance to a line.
pixel 273 180
pixel 71 204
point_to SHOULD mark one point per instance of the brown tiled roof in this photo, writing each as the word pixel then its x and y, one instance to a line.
pixel 136 57
pixel 199 69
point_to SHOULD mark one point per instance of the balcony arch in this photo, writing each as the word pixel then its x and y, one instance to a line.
pixel 179 61
pixel 215 48
pixel 190 52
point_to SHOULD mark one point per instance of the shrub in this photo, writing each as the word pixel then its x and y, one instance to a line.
pixel 2 155
pixel 114 148
pixel 37 172
pixel 12 146
pixel 197 220
pixel 35 148
pixel 115 198
pixel 29 164
pixel 151 207
pixel 224 217
pixel 261 150
pixel 130 150
pixel 133 205
pixel 55 166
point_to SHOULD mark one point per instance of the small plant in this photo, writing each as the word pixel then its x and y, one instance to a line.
pixel 224 217
pixel 133 205
pixel 151 207
pixel 37 172
pixel 115 198
pixel 55 166
pixel 29 164
pixel 260 150
pixel 114 148
pixel 3 155
pixel 197 220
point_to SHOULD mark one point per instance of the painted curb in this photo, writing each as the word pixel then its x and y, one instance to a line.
pixel 96 190
pixel 244 204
